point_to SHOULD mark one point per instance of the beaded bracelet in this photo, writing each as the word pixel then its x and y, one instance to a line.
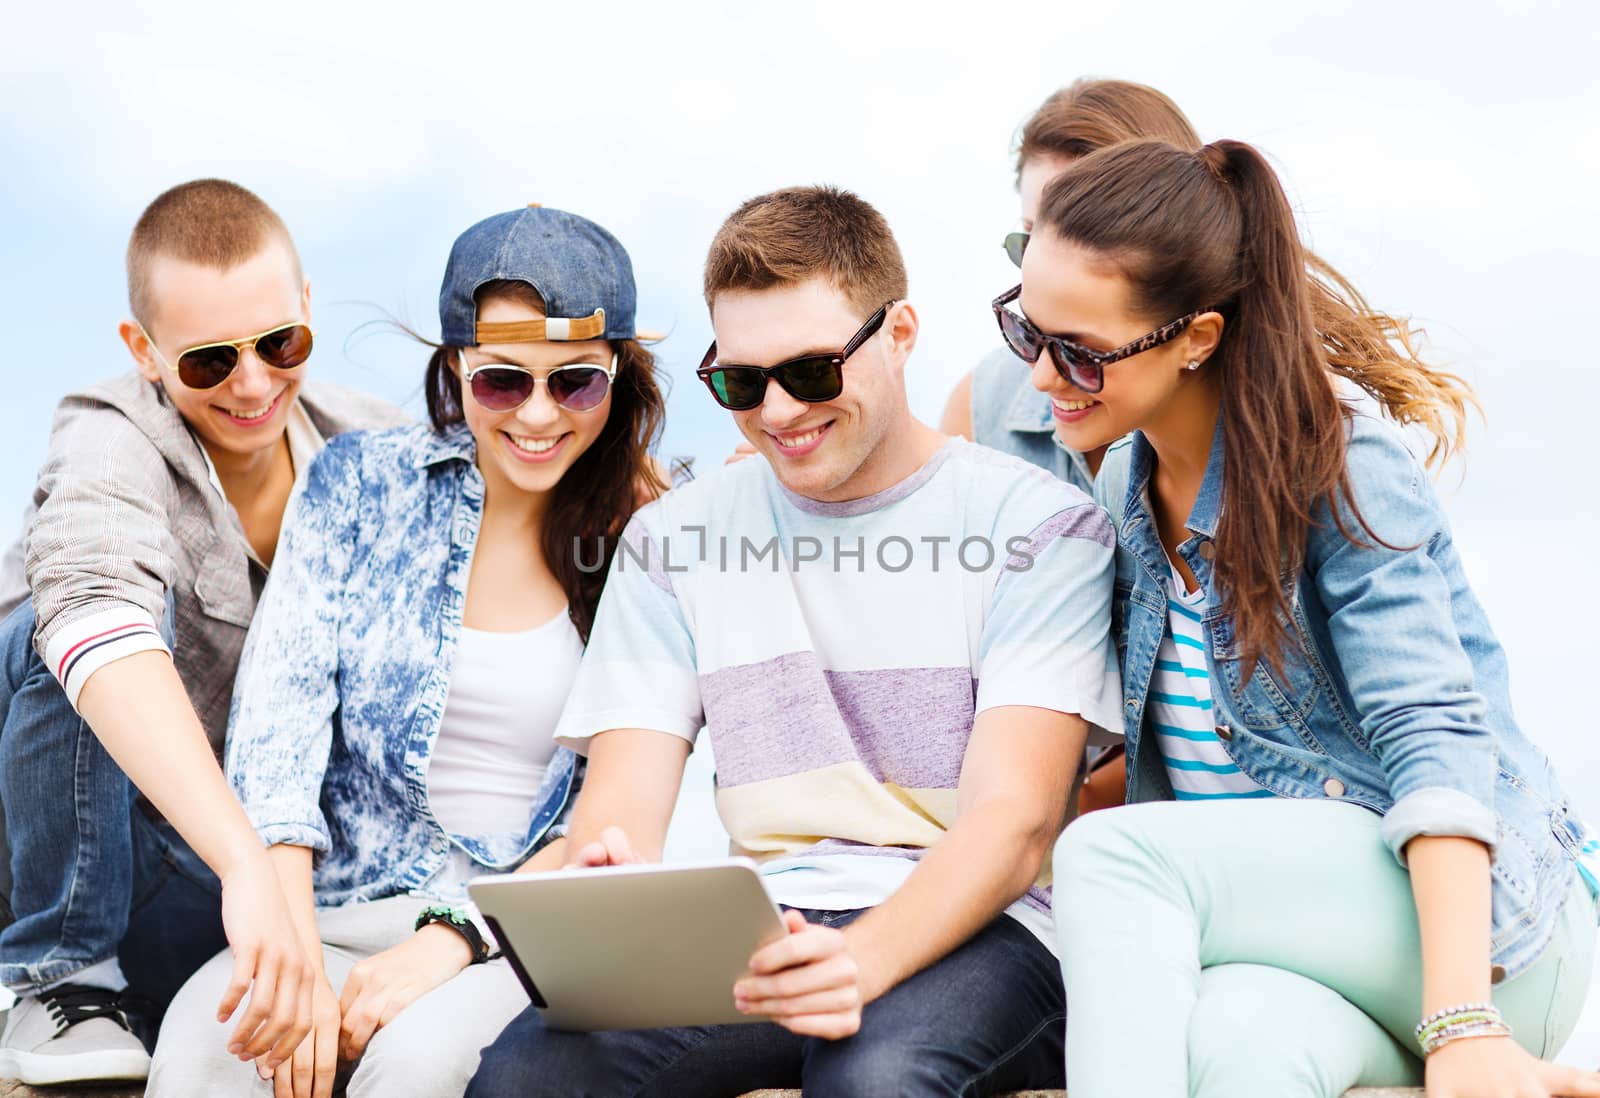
pixel 1447 1011
pixel 1456 1023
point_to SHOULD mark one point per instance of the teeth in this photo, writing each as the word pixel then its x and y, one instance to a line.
pixel 1074 405
pixel 794 442
pixel 534 445
pixel 257 414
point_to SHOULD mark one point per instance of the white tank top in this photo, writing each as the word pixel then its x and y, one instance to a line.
pixel 495 739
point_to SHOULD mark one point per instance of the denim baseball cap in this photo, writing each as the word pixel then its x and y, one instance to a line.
pixel 581 271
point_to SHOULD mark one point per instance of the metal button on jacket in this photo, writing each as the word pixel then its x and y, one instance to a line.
pixel 1224 732
pixel 1333 787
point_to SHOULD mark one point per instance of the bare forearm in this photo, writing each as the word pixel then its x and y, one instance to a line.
pixel 1450 880
pixel 292 864
pixel 141 713
pixel 988 860
pixel 632 782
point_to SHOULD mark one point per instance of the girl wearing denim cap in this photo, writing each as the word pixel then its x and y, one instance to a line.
pixel 1362 858
pixel 391 728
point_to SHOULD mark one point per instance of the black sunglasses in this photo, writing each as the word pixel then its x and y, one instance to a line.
pixel 1078 365
pixel 1015 244
pixel 811 378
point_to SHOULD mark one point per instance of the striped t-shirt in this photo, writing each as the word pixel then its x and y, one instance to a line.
pixel 837 653
pixel 1180 707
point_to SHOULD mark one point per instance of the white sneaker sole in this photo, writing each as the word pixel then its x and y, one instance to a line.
pixel 105 1065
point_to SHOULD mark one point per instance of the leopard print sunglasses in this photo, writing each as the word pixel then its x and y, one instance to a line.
pixel 1080 366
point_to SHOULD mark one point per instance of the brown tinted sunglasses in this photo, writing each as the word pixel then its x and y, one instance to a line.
pixel 210 364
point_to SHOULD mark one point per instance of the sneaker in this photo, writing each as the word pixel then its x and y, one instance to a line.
pixel 70 1034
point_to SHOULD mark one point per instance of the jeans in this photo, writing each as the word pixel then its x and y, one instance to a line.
pixel 1215 949
pixel 93 877
pixel 986 1019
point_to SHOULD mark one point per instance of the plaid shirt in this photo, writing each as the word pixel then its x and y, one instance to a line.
pixel 128 515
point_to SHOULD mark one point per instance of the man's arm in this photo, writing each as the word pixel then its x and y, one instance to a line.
pixel 100 562
pixel 629 790
pixel 140 711
pixel 1016 778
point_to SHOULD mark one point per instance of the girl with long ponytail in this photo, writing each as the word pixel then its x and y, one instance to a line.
pixel 1363 872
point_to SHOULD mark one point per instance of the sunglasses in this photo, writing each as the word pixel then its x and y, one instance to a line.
pixel 1082 367
pixel 1015 244
pixel 209 365
pixel 811 378
pixel 502 387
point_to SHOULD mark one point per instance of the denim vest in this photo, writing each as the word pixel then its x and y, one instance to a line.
pixel 345 673
pixel 1395 695
pixel 1010 415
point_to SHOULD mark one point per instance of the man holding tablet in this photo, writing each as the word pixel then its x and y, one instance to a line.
pixel 898 643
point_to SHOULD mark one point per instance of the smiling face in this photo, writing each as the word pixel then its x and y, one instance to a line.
pixel 842 449
pixel 529 449
pixel 1070 291
pixel 192 305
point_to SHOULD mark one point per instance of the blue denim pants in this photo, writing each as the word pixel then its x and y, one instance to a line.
pixel 987 1019
pixel 92 876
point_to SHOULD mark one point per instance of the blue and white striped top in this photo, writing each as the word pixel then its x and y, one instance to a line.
pixel 1589 864
pixel 1180 707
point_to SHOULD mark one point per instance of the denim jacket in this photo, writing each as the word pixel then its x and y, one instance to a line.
pixel 1395 696
pixel 345 672
pixel 1010 415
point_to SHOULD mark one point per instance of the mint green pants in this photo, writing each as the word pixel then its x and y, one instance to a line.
pixel 1262 948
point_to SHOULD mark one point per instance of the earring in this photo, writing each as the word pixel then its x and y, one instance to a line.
pixel 1193 365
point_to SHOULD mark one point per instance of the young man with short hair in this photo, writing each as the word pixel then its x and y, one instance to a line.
pixel 898 643
pixel 158 510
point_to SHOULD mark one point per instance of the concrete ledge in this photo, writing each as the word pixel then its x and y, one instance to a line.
pixel 18 1090
pixel 12 1089
pixel 1381 1092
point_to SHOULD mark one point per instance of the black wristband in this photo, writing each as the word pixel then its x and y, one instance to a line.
pixel 457 921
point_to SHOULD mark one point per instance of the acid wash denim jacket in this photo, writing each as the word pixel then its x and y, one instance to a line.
pixel 1395 696
pixel 345 672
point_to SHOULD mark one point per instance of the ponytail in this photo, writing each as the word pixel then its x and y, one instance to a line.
pixel 1193 228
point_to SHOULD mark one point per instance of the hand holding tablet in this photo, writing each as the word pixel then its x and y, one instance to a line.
pixel 632 946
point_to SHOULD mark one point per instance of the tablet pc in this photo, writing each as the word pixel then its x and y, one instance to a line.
pixel 632 947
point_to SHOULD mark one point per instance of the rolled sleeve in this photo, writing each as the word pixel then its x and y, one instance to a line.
pixel 1436 812
pixel 286 696
pixel 100 557
pixel 1391 619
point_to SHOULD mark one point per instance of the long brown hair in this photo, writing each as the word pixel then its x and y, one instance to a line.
pixel 594 500
pixel 1213 228
pixel 1375 350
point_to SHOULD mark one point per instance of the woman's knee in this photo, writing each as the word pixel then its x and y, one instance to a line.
pixel 1262 1030
pixel 1098 839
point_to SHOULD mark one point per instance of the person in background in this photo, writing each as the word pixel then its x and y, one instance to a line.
pixel 393 721
pixel 156 518
pixel 1349 830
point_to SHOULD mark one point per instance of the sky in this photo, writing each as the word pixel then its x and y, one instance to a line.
pixel 1444 158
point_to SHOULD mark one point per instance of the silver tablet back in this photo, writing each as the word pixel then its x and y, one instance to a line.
pixel 632 947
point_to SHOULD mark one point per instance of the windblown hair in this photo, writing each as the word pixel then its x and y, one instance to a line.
pixel 594 500
pixel 800 233
pixel 1212 227
pixel 210 222
pixel 1375 350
